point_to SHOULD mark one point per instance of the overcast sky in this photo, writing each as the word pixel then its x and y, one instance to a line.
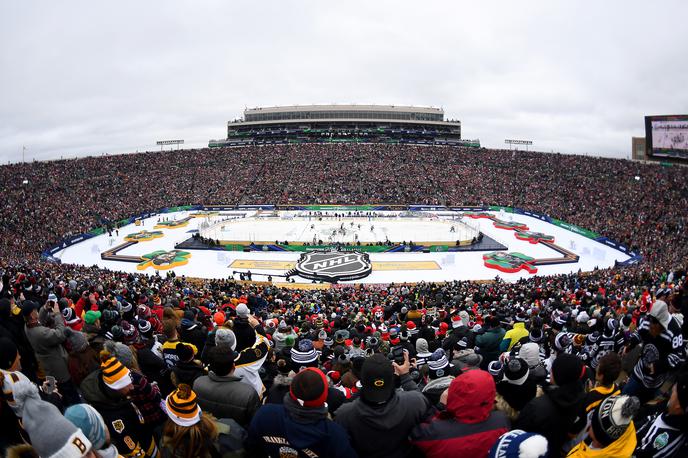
pixel 85 77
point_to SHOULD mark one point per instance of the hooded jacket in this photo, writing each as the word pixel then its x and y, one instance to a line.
pixel 469 427
pixel 378 431
pixel 513 336
pixel 554 414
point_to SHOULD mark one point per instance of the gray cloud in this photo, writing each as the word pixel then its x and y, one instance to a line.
pixel 82 77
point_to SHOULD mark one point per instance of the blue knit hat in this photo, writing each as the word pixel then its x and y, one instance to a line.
pixel 519 444
pixel 89 421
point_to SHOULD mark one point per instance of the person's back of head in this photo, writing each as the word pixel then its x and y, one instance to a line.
pixel 608 368
pixel 188 431
pixel 221 362
pixel 170 329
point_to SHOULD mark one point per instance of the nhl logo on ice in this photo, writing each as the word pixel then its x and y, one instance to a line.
pixel 334 266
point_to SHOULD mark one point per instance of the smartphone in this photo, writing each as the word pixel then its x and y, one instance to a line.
pixel 49 385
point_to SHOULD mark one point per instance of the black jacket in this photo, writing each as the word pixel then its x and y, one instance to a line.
pixel 554 414
pixel 121 416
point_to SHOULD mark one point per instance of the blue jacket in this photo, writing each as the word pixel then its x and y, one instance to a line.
pixel 274 433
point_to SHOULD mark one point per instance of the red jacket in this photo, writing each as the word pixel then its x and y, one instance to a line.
pixel 469 427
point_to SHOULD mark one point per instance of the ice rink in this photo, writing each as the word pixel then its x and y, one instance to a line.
pixel 317 230
pixel 446 266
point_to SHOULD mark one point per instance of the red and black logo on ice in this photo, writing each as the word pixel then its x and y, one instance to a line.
pixel 334 266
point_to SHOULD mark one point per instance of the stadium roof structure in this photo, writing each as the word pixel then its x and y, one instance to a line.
pixel 343 123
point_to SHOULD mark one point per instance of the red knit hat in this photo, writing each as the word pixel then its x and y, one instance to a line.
pixel 309 388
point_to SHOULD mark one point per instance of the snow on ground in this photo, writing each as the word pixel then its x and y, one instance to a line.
pixel 453 266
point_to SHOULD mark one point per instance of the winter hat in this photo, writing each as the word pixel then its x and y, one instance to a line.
pixel 660 312
pixel 144 327
pixel 612 417
pixel 309 388
pixel 456 321
pixel 126 307
pixel 438 364
pixel 477 328
pixel 219 318
pixel 495 369
pixel 593 338
pixel 377 379
pixel 462 344
pixel 562 341
pixel 468 358
pixel 626 322
pixel 582 317
pixel 184 352
pixel 143 312
pixel 120 351
pixel 567 368
pixel 421 346
pixel 181 406
pixel 411 328
pixel 69 316
pixel 322 335
pixel 242 311
pixel 91 316
pixel 303 355
pixel 51 434
pixel 77 341
pixel 129 331
pixel 516 371
pixel 115 375
pixel 536 335
pixel 89 421
pixel 8 353
pixel 530 353
pixel 519 444
pixel 224 336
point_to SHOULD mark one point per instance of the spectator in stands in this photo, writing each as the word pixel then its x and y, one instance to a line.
pixel 299 426
pixel 106 390
pixel 187 433
pixel 47 344
pixel 380 420
pixel 50 433
pixel 664 434
pixel 469 426
pixel 555 414
pixel 222 394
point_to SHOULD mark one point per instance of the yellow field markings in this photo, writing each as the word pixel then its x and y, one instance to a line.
pixel 377 265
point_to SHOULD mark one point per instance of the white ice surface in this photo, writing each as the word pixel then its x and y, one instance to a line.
pixel 454 266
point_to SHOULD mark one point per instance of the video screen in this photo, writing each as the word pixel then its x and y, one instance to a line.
pixel 667 136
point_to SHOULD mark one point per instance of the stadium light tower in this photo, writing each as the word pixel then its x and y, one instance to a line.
pixel 518 142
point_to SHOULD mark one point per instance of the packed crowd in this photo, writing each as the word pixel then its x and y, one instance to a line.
pixel 98 363
pixel 640 205
pixel 102 363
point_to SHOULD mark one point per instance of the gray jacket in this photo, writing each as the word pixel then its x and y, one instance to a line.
pixel 227 397
pixel 47 344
